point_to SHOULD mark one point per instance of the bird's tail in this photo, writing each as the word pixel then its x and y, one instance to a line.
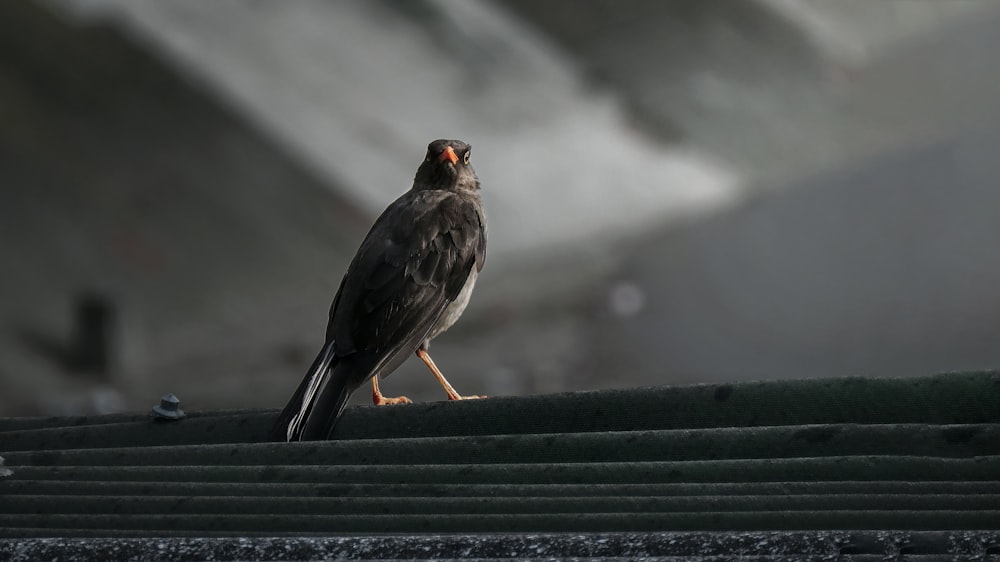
pixel 293 419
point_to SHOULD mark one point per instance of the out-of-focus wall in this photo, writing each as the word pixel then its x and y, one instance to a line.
pixel 677 191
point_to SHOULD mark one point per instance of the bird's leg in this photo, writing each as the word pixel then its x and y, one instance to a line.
pixel 452 393
pixel 380 400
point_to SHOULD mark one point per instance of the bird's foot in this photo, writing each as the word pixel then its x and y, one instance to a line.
pixel 380 400
pixel 470 397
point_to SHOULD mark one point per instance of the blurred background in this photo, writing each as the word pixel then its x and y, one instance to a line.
pixel 678 191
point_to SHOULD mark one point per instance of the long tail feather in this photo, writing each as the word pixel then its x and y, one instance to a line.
pixel 329 406
pixel 297 412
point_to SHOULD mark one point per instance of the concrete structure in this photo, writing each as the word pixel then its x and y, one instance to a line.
pixel 209 168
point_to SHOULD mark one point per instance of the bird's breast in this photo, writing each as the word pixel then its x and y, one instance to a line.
pixel 454 310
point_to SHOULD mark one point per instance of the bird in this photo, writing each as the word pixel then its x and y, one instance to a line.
pixel 410 280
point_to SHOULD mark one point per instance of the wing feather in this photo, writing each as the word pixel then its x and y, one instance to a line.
pixel 399 285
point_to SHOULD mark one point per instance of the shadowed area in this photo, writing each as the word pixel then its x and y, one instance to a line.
pixel 827 454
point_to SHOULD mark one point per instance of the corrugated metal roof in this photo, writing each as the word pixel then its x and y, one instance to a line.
pixel 854 454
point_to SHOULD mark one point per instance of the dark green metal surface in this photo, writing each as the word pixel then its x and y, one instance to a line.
pixel 918 454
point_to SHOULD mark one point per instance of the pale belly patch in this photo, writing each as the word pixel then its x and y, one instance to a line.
pixel 454 310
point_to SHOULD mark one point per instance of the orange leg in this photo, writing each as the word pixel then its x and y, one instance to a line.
pixel 380 400
pixel 452 393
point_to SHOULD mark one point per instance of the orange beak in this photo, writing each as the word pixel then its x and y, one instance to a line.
pixel 449 154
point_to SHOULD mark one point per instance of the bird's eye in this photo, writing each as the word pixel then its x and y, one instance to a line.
pixel 468 153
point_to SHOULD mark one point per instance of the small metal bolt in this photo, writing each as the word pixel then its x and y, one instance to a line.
pixel 169 408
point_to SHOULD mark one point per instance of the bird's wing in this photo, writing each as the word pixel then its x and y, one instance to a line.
pixel 414 261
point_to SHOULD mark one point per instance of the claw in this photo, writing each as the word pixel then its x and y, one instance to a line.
pixel 380 400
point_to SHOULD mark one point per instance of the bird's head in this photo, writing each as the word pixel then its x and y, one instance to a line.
pixel 446 166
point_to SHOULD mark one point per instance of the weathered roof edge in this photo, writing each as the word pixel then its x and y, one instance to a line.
pixel 690 545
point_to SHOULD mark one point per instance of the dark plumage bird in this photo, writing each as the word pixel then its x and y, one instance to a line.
pixel 410 280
